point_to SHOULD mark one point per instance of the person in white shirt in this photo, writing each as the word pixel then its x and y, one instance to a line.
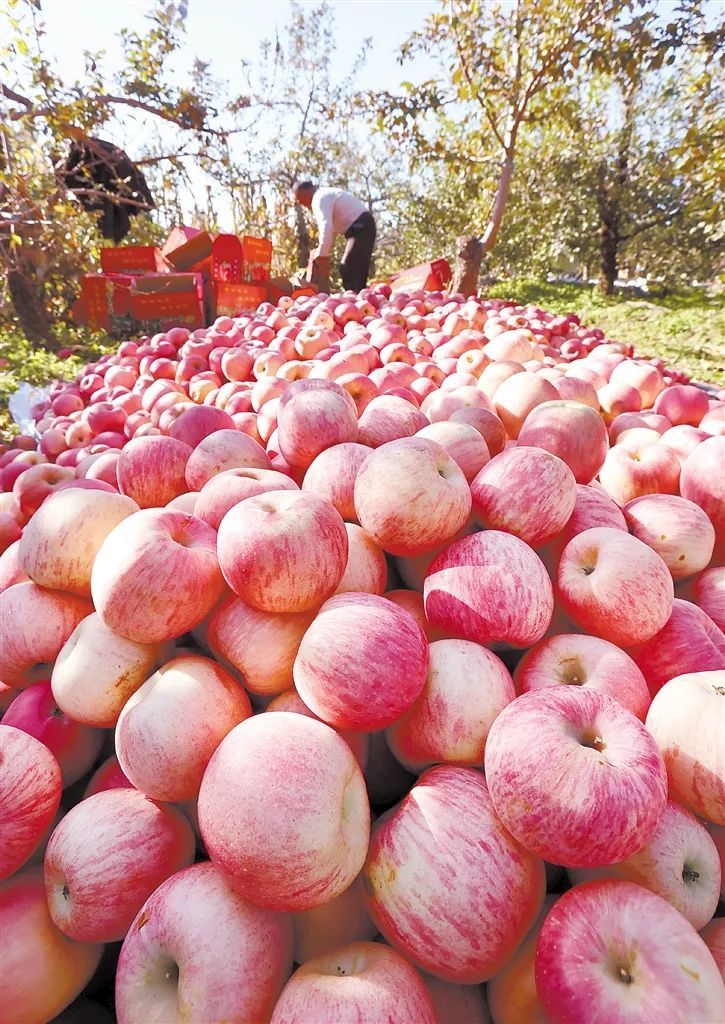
pixel 339 213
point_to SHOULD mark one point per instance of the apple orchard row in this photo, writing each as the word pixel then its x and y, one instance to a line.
pixel 455 559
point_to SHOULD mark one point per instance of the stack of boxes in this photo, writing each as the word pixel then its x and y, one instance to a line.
pixel 191 279
pixel 195 277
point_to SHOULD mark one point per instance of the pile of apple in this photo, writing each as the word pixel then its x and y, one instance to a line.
pixel 363 660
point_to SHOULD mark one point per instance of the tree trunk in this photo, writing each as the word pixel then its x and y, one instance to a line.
pixel 611 193
pixel 608 246
pixel 472 248
pixel 469 256
pixel 28 298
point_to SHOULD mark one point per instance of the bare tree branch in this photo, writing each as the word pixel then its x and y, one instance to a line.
pixel 32 112
pixel 475 91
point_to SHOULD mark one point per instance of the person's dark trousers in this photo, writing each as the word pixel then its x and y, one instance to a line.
pixel 355 265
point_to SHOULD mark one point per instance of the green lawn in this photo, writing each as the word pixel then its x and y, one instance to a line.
pixel 685 328
pixel 19 361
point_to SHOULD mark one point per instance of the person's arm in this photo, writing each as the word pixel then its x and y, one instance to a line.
pixel 323 214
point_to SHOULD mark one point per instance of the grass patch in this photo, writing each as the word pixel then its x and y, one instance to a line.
pixel 686 328
pixel 19 362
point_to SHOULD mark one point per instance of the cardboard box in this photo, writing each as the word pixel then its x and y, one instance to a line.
pixel 257 259
pixel 196 249
pixel 425 277
pixel 161 311
pixel 226 260
pixel 105 302
pixel 95 300
pixel 177 237
pixel 168 283
pixel 233 299
pixel 132 259
pixel 168 300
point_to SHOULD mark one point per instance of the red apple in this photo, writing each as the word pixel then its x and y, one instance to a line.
pixel 30 788
pixel 261 646
pixel 170 727
pixel 682 403
pixel 283 551
pixel 43 970
pixel 616 398
pixel 446 883
pixel 686 719
pixel 333 473
pixel 283 811
pixel 641 375
pixel 60 542
pixel 677 529
pixel 683 439
pixel 575 389
pixel 106 857
pixel 574 776
pixel 464 444
pixel 362 662
pixel 486 423
pixel 362 981
pixel 518 395
pixel 37 483
pixel 156 575
pixel 388 418
pixel 225 490
pixel 197 947
pixel 196 423
pixel 489 587
pixel 688 642
pixel 10 531
pixel 366 570
pixel 74 746
pixel 223 450
pixel 614 586
pixel 34 625
pixel 107 776
pixel 97 671
pixel 709 593
pixel 612 951
pixel 314 420
pixel 572 659
pixel 703 481
pixel 411 496
pixel 573 432
pixel 527 492
pixel 680 863
pixel 10 570
pixel 151 470
pixel 466 689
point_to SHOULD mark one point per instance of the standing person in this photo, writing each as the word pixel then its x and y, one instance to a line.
pixel 339 213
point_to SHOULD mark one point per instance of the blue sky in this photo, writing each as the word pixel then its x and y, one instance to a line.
pixel 226 31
